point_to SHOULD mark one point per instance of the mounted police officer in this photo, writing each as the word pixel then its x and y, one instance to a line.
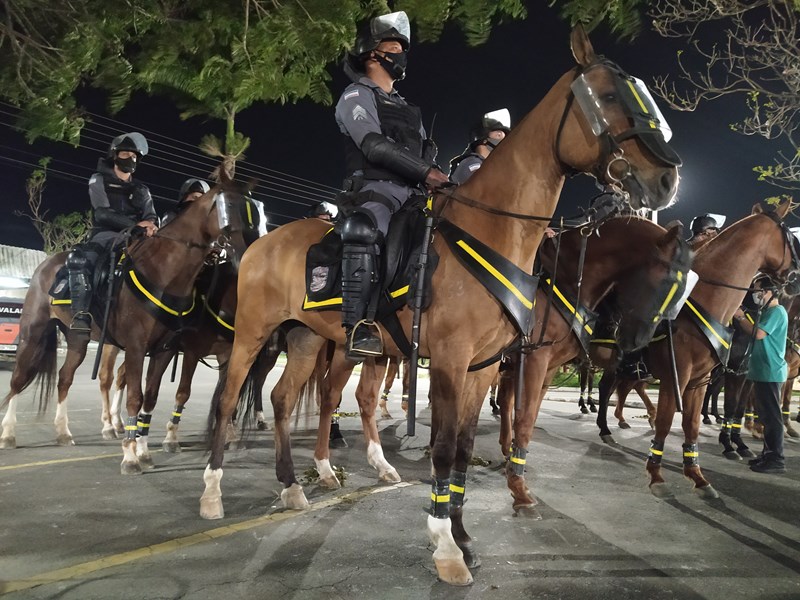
pixel 388 159
pixel 492 129
pixel 705 228
pixel 118 203
pixel 191 190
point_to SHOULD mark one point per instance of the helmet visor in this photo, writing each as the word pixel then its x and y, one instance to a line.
pixel 392 26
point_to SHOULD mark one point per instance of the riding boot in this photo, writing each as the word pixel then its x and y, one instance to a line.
pixel 359 285
pixel 80 291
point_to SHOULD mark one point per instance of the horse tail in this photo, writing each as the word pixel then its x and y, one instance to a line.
pixel 38 365
pixel 311 392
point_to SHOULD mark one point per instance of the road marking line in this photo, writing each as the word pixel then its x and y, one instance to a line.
pixel 116 560
pixel 43 463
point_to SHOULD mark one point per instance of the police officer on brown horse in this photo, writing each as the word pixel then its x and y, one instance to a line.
pixel 492 129
pixel 388 159
pixel 118 203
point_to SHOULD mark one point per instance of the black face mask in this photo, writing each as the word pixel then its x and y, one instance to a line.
pixel 126 165
pixel 393 63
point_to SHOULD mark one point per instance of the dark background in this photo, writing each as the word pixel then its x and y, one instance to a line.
pixel 296 150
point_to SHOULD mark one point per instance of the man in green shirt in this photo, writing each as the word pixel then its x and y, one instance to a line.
pixel 767 371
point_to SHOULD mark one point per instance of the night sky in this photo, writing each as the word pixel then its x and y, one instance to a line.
pixel 296 150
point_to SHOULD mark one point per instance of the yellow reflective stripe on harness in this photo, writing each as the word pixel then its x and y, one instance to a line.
pixel 569 306
pixel 249 214
pixel 216 316
pixel 656 452
pixel 603 341
pixel 400 292
pixel 329 302
pixel 456 488
pixel 436 498
pixel 496 274
pixel 667 300
pixel 641 104
pixel 749 318
pixel 722 341
pixel 156 301
pixel 54 301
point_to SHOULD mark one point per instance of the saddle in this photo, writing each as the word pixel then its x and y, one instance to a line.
pixel 399 256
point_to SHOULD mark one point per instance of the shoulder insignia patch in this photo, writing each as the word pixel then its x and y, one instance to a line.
pixel 351 94
pixel 93 178
pixel 475 167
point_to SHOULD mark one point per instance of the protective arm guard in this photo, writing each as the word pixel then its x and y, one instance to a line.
pixel 110 219
pixel 378 149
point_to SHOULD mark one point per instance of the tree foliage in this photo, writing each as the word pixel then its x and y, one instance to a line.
pixel 622 17
pixel 62 232
pixel 747 49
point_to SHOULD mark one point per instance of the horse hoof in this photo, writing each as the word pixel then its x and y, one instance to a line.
pixel 385 414
pixel 584 410
pixel 130 468
pixel 608 439
pixel 745 453
pixel 294 498
pixel 527 511
pixel 8 443
pixel 146 462
pixel 65 440
pixel 731 455
pixel 718 419
pixel 211 508
pixel 592 408
pixel 706 421
pixel 453 571
pixel 707 492
pixel 109 433
pixel 792 432
pixel 660 490
pixel 390 476
pixel 471 558
pixel 171 447
pixel 624 425
pixel 337 443
pixel 262 426
pixel 329 482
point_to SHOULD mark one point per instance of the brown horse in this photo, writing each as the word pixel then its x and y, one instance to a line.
pixel 759 242
pixel 465 323
pixel 165 267
pixel 630 255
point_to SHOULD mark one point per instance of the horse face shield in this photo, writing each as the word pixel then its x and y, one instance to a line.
pixel 602 103
pixel 229 217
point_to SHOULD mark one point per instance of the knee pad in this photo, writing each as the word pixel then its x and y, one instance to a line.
pixel 77 261
pixel 359 228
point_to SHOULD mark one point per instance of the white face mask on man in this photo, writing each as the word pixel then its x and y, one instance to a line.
pixel 761 298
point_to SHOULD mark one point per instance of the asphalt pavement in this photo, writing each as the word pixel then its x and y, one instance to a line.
pixel 72 527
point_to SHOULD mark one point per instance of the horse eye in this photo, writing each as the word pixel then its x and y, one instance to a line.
pixel 610 97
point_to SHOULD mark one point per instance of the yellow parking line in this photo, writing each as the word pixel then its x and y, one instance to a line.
pixel 115 560
pixel 43 463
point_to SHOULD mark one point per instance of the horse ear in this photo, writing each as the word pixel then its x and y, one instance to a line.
pixel 581 46
pixel 673 232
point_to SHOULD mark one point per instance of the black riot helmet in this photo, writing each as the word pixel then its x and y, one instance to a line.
pixel 496 120
pixel 707 221
pixel 190 186
pixel 132 142
pixel 394 26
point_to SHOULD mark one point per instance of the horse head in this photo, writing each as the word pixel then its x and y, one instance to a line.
pixel 612 129
pixel 782 259
pixel 648 293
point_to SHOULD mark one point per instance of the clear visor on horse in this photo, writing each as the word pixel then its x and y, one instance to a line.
pixel 228 216
pixel 396 22
pixel 256 216
pixel 501 116
pixel 634 97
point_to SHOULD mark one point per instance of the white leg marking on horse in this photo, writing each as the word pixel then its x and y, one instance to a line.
pixel 211 500
pixel 448 557
pixel 170 443
pixel 9 438
pixel 386 472
pixel 293 497
pixel 327 477
pixel 130 462
pixel 63 434
pixel 116 420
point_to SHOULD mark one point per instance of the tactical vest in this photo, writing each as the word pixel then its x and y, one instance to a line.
pixel 399 122
pixel 122 199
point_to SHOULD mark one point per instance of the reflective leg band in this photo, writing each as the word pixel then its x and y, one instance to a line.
pixel 143 425
pixel 748 416
pixel 690 455
pixel 736 424
pixel 385 395
pixel 335 417
pixel 458 481
pixel 440 499
pixel 518 460
pixel 176 414
pixel 656 452
pixel 787 413
pixel 131 428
